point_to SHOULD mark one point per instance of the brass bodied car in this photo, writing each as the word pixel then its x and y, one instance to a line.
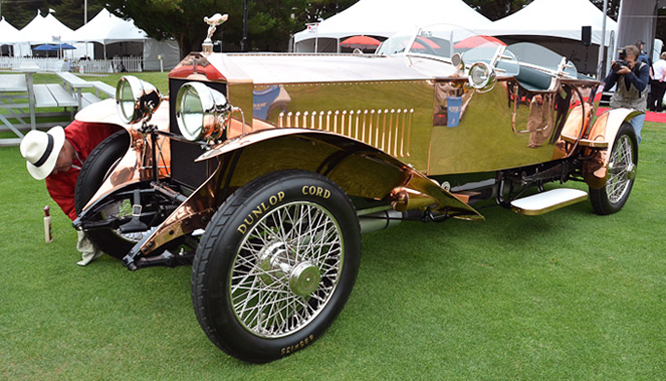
pixel 263 170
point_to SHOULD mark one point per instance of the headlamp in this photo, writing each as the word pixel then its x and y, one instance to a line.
pixel 136 100
pixel 482 77
pixel 201 112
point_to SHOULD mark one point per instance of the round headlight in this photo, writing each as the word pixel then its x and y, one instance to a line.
pixel 136 99
pixel 201 111
pixel 481 76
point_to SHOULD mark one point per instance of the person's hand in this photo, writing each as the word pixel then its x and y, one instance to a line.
pixel 624 70
pixel 538 99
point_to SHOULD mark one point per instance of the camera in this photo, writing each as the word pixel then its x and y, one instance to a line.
pixel 617 65
pixel 621 61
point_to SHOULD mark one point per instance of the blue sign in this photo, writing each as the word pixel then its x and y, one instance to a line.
pixel 453 111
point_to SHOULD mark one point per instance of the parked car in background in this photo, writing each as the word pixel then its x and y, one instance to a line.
pixel 263 170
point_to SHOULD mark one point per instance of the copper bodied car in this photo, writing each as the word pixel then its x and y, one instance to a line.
pixel 265 169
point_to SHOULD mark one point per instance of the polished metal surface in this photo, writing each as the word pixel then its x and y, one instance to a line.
pixel 201 112
pixel 213 22
pixel 137 100
pixel 545 202
pixel 387 130
pixel 136 165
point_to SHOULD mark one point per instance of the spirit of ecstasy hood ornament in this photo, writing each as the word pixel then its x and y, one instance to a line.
pixel 212 22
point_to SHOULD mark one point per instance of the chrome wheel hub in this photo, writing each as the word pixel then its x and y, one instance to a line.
pixel 304 279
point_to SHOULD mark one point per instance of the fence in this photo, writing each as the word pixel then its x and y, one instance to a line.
pixel 115 65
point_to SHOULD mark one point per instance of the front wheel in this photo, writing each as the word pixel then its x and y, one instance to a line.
pixel 276 265
pixel 621 169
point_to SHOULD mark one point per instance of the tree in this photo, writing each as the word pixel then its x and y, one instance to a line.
pixel 496 9
pixel 270 22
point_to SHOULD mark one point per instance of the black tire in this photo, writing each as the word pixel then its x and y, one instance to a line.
pixel 622 166
pixel 256 249
pixel 95 170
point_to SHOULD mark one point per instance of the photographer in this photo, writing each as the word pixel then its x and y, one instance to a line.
pixel 632 79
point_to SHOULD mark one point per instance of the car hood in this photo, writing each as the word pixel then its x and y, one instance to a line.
pixel 307 68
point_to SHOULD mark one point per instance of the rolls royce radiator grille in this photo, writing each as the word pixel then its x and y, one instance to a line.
pixel 387 130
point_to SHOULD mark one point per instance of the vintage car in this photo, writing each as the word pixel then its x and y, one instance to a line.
pixel 263 170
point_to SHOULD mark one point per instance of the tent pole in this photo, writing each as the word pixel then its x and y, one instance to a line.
pixel 601 72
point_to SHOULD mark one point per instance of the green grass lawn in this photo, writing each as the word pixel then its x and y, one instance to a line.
pixel 567 295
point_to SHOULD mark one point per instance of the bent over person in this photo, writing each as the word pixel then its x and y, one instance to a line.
pixel 57 156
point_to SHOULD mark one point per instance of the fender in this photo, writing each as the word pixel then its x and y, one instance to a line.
pixel 359 169
pixel 605 130
pixel 132 166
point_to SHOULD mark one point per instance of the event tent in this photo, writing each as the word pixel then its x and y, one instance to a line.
pixel 106 28
pixel 384 18
pixel 8 33
pixel 557 24
pixel 45 29
pixel 556 18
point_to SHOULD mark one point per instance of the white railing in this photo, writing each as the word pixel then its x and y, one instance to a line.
pixel 44 64
pixel 115 65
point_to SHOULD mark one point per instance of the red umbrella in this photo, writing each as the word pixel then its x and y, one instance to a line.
pixel 474 41
pixel 417 46
pixel 428 41
pixel 360 42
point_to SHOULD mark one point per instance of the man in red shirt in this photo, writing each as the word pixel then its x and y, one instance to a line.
pixel 57 156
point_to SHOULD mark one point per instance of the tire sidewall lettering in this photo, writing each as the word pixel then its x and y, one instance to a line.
pixel 318 191
pixel 259 211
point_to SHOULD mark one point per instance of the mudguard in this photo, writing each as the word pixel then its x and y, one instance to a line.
pixel 131 168
pixel 604 130
pixel 359 169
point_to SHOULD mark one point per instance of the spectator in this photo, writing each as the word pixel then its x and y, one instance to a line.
pixel 632 79
pixel 658 86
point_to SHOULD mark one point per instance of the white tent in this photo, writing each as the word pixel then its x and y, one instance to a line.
pixel 557 24
pixel 8 33
pixel 555 18
pixel 44 30
pixel 106 28
pixel 384 18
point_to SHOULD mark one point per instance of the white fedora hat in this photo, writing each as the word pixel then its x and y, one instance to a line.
pixel 41 150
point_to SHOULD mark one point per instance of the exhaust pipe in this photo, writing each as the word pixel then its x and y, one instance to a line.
pixel 380 220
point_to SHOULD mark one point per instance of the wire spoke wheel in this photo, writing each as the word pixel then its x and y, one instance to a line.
pixel 621 173
pixel 276 265
pixel 286 269
pixel 621 168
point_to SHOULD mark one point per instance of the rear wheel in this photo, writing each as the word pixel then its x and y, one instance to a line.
pixel 97 167
pixel 276 265
pixel 622 166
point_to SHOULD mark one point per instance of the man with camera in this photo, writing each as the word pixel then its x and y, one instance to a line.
pixel 632 79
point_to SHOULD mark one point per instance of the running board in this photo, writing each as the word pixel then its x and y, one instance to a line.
pixel 545 202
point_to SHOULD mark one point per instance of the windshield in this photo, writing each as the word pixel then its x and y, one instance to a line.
pixel 440 40
pixel 444 41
